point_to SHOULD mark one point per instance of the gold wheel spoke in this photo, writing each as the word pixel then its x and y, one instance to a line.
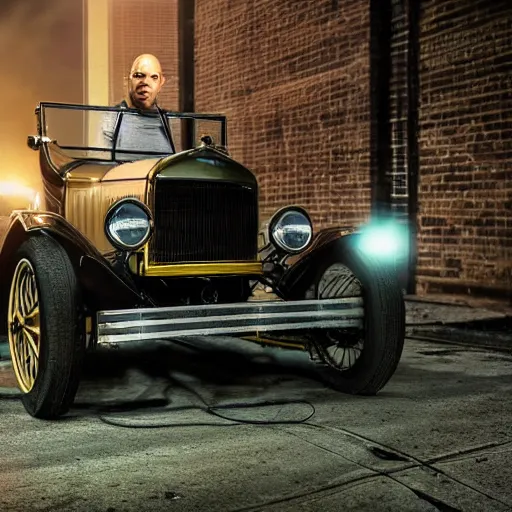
pixel 33 312
pixel 28 294
pixel 29 303
pixel 33 330
pixel 16 305
pixel 23 294
pixel 21 359
pixel 32 294
pixel 18 348
pixel 34 349
pixel 34 365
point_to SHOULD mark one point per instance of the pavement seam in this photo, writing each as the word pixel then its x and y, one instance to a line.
pixel 476 450
pixel 404 466
pixel 386 474
pixel 324 490
pixel 419 463
pixel 335 488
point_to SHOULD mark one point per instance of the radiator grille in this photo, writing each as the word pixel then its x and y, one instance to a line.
pixel 198 221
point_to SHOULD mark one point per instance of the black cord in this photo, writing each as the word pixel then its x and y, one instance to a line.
pixel 213 410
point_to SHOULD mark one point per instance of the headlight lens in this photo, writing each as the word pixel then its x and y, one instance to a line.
pixel 292 231
pixel 128 224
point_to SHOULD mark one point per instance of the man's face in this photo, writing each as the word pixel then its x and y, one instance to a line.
pixel 144 84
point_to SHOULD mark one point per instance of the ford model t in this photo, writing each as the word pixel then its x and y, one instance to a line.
pixel 149 230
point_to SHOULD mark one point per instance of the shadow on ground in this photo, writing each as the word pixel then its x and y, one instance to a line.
pixel 143 376
pixel 235 368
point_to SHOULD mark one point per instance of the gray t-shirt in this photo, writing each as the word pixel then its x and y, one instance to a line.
pixel 137 133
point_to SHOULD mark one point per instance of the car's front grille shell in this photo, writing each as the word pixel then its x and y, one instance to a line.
pixel 203 221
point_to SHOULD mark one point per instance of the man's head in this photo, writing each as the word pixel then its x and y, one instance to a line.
pixel 145 81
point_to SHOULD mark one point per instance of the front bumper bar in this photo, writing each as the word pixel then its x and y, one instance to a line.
pixel 224 319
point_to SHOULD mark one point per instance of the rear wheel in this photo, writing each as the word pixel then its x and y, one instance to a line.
pixel 353 360
pixel 46 327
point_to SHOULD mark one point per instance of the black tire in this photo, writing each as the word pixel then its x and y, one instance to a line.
pixel 384 322
pixel 61 324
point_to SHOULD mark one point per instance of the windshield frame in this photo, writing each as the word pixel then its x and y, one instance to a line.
pixel 161 113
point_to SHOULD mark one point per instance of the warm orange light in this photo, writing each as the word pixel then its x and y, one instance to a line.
pixel 16 189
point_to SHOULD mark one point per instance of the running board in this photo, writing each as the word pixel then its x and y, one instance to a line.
pixel 128 325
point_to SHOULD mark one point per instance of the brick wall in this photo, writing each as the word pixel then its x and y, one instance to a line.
pixel 465 189
pixel 293 79
pixel 148 26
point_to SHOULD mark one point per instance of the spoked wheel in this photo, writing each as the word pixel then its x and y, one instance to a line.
pixel 355 360
pixel 25 330
pixel 341 348
pixel 45 328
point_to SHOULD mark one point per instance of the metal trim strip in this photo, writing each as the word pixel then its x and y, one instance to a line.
pixel 161 323
pixel 321 324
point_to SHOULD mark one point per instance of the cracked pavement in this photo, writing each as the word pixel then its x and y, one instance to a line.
pixel 437 438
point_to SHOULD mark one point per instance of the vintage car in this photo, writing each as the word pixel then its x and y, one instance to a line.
pixel 147 229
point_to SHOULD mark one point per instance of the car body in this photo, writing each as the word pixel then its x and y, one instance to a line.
pixel 129 244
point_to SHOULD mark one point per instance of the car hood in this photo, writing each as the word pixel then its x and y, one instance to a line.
pixel 112 171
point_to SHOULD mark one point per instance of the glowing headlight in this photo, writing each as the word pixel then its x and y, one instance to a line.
pixel 385 240
pixel 128 224
pixel 291 230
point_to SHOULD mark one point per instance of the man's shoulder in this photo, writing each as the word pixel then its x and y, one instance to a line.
pixel 109 119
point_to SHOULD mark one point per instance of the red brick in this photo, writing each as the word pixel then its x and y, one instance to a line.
pixel 465 142
pixel 293 80
pixel 149 26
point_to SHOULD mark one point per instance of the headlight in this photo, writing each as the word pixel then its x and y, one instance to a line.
pixel 128 224
pixel 291 230
pixel 385 240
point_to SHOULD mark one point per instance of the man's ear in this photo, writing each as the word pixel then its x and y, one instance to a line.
pixel 163 81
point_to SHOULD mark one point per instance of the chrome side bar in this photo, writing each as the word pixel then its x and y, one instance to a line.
pixel 248 317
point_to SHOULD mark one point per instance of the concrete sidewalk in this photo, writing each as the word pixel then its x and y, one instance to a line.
pixel 437 438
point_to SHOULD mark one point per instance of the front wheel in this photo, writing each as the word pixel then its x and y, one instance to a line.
pixel 359 361
pixel 46 328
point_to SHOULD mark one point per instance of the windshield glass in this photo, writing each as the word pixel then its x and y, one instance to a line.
pixel 116 133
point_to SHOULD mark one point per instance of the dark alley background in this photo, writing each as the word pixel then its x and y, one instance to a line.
pixel 337 106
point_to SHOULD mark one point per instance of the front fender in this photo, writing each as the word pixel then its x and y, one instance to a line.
pixel 101 286
pixel 305 268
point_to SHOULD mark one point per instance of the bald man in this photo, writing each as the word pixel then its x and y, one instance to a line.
pixel 144 83
pixel 141 133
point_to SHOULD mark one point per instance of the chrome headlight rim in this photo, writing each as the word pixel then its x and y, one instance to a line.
pixel 278 217
pixel 113 209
